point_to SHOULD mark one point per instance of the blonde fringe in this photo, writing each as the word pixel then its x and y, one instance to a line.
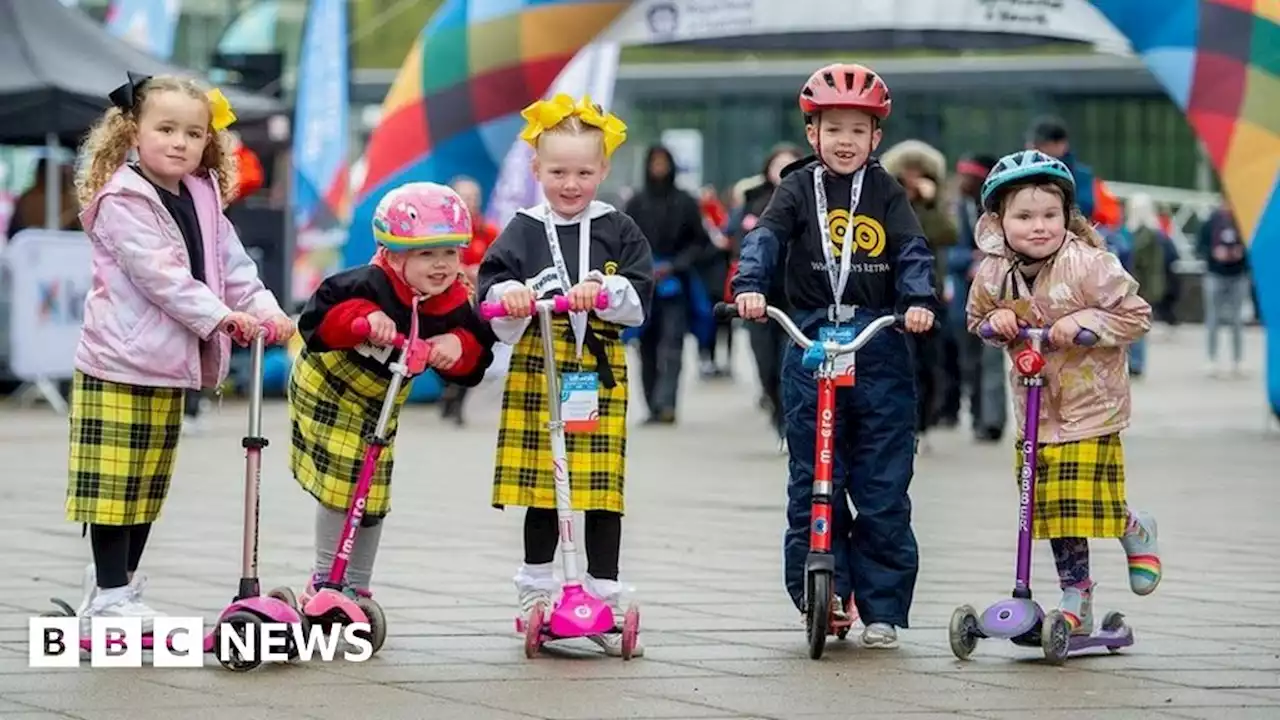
pixel 116 133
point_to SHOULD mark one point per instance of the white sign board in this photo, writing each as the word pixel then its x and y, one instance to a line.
pixel 663 21
pixel 50 272
pixel 686 147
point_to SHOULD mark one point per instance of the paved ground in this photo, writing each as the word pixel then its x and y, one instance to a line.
pixel 702 546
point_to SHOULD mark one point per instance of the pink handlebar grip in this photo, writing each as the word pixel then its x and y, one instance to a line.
pixel 559 304
pixel 361 328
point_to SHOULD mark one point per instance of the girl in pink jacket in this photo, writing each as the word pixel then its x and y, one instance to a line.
pixel 1045 266
pixel 171 281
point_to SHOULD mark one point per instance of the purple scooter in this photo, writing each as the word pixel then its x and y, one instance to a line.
pixel 1020 619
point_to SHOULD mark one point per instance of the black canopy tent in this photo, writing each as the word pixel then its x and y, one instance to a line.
pixel 57 66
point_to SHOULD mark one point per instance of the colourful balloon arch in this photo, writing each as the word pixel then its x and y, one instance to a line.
pixel 1219 60
pixel 454 107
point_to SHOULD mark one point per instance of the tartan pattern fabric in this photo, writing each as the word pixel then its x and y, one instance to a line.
pixel 1079 489
pixel 124 441
pixel 333 407
pixel 597 461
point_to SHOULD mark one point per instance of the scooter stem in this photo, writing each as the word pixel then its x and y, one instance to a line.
pixel 559 453
pixel 1027 481
pixel 253 444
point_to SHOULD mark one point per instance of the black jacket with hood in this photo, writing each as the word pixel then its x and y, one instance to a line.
pixel 669 218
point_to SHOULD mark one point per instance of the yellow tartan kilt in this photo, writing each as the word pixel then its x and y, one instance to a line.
pixel 333 407
pixel 124 440
pixel 597 461
pixel 1079 489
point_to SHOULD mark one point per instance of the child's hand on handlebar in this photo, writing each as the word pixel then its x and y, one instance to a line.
pixel 279 329
pixel 446 351
pixel 582 297
pixel 1063 333
pixel 518 302
pixel 751 306
pixel 918 320
pixel 1004 323
pixel 382 329
pixel 240 326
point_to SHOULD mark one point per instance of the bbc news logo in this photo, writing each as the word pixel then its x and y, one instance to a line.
pixel 180 642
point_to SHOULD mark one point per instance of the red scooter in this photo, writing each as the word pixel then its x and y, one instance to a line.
pixel 819 595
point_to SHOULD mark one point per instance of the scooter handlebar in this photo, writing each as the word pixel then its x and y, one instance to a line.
pixel 361 328
pixel 728 311
pixel 558 304
pixel 1084 338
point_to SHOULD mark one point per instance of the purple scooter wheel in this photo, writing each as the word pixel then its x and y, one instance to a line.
pixel 1010 618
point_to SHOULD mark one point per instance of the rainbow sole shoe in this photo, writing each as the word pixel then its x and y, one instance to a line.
pixel 1143 550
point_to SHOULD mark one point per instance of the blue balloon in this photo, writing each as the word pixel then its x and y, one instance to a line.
pixel 427 388
pixel 276 365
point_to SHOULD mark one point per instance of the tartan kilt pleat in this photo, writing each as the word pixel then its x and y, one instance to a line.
pixel 333 408
pixel 124 441
pixel 1080 489
pixel 597 461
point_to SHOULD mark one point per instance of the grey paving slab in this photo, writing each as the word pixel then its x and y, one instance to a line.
pixel 701 546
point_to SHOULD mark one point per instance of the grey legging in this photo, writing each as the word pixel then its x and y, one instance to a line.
pixel 329 524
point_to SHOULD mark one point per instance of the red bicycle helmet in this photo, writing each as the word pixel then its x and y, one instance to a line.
pixel 846 85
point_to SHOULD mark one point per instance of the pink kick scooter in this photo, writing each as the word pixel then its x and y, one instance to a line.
pixel 335 603
pixel 577 613
pixel 1020 619
pixel 250 608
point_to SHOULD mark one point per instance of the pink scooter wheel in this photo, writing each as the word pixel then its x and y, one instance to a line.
pixel 533 627
pixel 630 632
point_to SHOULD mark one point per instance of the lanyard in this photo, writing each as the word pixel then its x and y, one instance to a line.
pixel 838 281
pixel 578 320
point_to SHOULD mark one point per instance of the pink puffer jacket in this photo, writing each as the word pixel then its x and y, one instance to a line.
pixel 146 319
pixel 1086 390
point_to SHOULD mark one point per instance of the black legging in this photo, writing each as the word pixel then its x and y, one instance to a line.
pixel 602 536
pixel 117 550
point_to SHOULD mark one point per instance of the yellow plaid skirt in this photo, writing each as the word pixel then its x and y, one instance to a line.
pixel 124 440
pixel 1079 489
pixel 597 461
pixel 333 407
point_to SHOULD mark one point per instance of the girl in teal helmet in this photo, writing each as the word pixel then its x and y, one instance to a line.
pixel 1045 266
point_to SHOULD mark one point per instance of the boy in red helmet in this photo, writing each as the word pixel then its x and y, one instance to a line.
pixel 852 250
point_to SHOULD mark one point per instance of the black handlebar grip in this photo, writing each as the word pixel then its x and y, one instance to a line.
pixel 725 311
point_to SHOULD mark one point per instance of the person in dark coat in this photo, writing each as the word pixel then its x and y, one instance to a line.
pixel 672 221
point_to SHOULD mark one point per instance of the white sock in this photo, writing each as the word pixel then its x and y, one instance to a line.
pixel 108 597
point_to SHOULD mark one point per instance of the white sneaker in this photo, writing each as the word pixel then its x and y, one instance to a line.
pixel 880 635
pixel 121 603
pixel 534 584
pixel 611 591
pixel 90 585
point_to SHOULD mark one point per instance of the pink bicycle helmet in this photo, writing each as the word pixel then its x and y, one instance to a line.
pixel 850 86
pixel 421 215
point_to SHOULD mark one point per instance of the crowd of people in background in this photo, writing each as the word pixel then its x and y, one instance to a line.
pixel 695 238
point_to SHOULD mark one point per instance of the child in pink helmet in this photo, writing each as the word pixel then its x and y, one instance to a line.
pixel 339 381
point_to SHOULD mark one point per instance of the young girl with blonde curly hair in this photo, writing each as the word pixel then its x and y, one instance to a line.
pixel 171 283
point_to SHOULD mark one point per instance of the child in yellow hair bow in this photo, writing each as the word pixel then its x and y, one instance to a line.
pixel 576 246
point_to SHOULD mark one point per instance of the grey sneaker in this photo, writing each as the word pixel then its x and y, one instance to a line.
pixel 880 635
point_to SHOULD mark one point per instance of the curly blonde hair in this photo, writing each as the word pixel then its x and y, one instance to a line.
pixel 111 139
pixel 1077 223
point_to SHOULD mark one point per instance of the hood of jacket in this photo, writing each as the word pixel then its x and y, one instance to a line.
pixel 929 159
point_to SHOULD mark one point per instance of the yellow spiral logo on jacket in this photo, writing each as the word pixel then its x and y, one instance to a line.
pixel 868 233
pixel 610 268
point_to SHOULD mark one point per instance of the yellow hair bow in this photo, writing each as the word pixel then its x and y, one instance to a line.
pixel 546 114
pixel 221 116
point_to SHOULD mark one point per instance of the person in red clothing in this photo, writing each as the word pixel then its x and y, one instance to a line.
pixel 340 378
pixel 483 233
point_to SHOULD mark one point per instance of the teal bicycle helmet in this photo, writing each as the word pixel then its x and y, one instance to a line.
pixel 1021 166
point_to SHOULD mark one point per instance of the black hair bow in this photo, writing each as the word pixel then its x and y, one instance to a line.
pixel 125 96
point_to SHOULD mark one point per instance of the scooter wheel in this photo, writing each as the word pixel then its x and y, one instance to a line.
pixel 533 625
pixel 819 615
pixel 248 627
pixel 1055 637
pixel 377 622
pixel 1113 622
pixel 964 639
pixel 285 595
pixel 630 632
pixel 64 610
